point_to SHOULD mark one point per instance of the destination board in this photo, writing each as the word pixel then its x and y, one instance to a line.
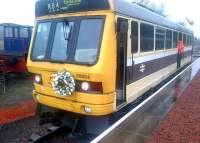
pixel 51 7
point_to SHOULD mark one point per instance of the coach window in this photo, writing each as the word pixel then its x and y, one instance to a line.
pixel 175 39
pixel 190 37
pixel 188 40
pixel 1 33
pixel 1 38
pixel 180 36
pixel 184 39
pixel 168 39
pixel 16 32
pixel 147 37
pixel 191 40
pixel 8 32
pixel 134 37
pixel 160 38
pixel 23 32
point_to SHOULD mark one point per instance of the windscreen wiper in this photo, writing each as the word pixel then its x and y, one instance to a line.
pixel 67 28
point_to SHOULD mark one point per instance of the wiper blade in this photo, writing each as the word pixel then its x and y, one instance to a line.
pixel 67 29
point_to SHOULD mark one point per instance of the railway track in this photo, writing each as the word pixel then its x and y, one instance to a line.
pixel 61 135
pixel 54 134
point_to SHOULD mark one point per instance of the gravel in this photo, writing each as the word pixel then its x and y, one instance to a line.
pixel 182 124
pixel 20 131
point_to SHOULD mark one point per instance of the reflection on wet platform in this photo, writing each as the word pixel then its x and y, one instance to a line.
pixel 139 127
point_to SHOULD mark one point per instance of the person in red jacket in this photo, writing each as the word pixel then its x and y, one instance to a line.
pixel 180 53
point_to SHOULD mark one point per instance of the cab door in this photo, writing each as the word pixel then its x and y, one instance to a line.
pixel 122 35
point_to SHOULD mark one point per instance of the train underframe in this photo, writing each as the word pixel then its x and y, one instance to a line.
pixel 76 122
pixel 13 64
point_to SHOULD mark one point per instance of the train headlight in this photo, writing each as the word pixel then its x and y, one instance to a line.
pixel 37 97
pixel 85 86
pixel 38 79
pixel 89 87
pixel 87 109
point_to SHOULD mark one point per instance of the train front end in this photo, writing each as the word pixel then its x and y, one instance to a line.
pixel 73 57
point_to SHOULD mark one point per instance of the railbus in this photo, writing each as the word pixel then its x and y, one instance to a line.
pixel 14 45
pixel 93 57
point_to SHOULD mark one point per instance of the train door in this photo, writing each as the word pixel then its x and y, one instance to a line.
pixel 122 35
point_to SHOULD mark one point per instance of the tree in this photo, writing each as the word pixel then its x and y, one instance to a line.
pixel 182 23
pixel 189 21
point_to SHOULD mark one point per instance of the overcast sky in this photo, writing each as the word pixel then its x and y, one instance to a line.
pixel 22 11
pixel 178 10
pixel 17 11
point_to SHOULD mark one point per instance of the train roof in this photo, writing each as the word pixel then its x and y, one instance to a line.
pixel 134 10
pixel 51 7
pixel 15 25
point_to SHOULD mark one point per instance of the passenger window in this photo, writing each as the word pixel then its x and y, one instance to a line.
pixel 8 32
pixel 175 39
pixel 180 36
pixel 160 38
pixel 147 37
pixel 184 39
pixel 188 40
pixel 23 32
pixel 1 33
pixel 16 32
pixel 191 40
pixel 168 39
pixel 1 38
pixel 134 37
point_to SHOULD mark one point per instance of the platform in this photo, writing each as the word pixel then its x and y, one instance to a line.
pixel 139 125
pixel 182 123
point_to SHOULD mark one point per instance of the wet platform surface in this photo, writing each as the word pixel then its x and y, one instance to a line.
pixel 139 127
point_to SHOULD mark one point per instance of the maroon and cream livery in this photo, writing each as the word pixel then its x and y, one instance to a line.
pixel 150 49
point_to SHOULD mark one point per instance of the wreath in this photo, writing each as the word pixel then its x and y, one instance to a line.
pixel 63 83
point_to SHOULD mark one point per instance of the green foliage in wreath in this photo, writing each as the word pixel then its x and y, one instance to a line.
pixel 63 83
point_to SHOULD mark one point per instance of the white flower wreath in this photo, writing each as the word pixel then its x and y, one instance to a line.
pixel 63 83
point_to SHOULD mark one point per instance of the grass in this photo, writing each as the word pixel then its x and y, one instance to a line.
pixel 18 89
